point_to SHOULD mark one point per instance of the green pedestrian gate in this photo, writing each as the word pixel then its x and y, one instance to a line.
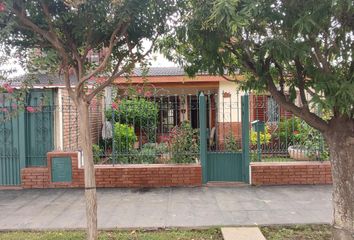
pixel 224 144
pixel 26 135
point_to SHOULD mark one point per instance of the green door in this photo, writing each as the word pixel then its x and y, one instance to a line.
pixel 39 121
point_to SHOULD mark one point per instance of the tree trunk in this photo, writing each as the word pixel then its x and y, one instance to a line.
pixel 90 179
pixel 341 146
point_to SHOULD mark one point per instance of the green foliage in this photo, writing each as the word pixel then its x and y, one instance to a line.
pixel 97 153
pixel 149 153
pixel 184 143
pixel 62 34
pixel 231 143
pixel 265 137
pixel 308 41
pixel 318 232
pixel 161 234
pixel 312 140
pixel 288 131
pixel 124 138
pixel 143 156
pixel 137 112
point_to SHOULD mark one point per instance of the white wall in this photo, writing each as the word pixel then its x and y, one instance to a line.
pixel 229 108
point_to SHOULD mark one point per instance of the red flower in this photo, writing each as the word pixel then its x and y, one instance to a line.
pixel 8 88
pixel 98 80
pixel 148 94
pixel 30 109
pixel 115 106
pixel 296 132
pixel 4 110
pixel 2 7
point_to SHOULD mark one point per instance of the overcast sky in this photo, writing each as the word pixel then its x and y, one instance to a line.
pixel 157 60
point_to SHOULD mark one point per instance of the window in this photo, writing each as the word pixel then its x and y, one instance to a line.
pixel 168 114
pixel 272 110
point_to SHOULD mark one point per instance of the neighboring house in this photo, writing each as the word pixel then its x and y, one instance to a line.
pixel 51 119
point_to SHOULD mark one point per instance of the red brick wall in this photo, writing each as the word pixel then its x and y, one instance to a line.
pixel 168 175
pixel 291 173
pixel 70 120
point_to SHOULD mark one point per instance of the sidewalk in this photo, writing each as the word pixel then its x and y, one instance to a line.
pixel 166 207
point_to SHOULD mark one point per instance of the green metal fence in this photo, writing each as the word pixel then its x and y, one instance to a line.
pixel 278 135
pixel 26 133
pixel 146 128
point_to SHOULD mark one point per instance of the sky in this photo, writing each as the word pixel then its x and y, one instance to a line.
pixel 157 60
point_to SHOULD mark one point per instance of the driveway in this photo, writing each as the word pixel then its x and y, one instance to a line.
pixel 166 207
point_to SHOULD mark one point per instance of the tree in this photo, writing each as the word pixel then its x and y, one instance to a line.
pixel 285 47
pixel 66 32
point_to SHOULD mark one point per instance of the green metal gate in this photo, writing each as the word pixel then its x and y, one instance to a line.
pixel 9 148
pixel 25 135
pixel 39 127
pixel 226 164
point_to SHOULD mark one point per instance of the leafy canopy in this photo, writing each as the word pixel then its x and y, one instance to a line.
pixel 283 46
pixel 70 34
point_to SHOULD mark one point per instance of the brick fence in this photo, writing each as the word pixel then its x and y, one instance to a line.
pixel 291 173
pixel 171 175
pixel 139 175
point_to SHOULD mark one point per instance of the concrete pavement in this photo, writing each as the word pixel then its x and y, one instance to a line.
pixel 166 207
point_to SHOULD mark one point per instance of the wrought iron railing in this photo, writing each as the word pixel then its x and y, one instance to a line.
pixel 284 137
pixel 157 127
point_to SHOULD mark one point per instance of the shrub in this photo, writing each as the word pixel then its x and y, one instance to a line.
pixel 184 143
pixel 149 153
pixel 231 143
pixel 312 140
pixel 137 112
pixel 97 153
pixel 264 137
pixel 145 155
pixel 124 138
pixel 288 130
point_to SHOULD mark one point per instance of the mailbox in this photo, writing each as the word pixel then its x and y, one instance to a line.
pixel 258 126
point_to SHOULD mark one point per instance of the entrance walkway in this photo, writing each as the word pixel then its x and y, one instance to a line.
pixel 167 207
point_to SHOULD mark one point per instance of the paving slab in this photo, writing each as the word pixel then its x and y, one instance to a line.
pixel 166 207
pixel 242 233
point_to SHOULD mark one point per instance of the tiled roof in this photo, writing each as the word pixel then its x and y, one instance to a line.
pixel 45 80
pixel 160 71
pixel 41 80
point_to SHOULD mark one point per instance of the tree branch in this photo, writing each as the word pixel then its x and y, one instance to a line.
pixel 301 78
pixel 281 74
pixel 52 38
pixel 124 69
pixel 68 84
pixel 121 29
pixel 311 118
pixel 230 80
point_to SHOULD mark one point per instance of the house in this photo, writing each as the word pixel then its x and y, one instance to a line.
pixel 49 121
pixel 177 96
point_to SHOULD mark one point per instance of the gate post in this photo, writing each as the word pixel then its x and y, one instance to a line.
pixel 22 139
pixel 245 138
pixel 203 136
